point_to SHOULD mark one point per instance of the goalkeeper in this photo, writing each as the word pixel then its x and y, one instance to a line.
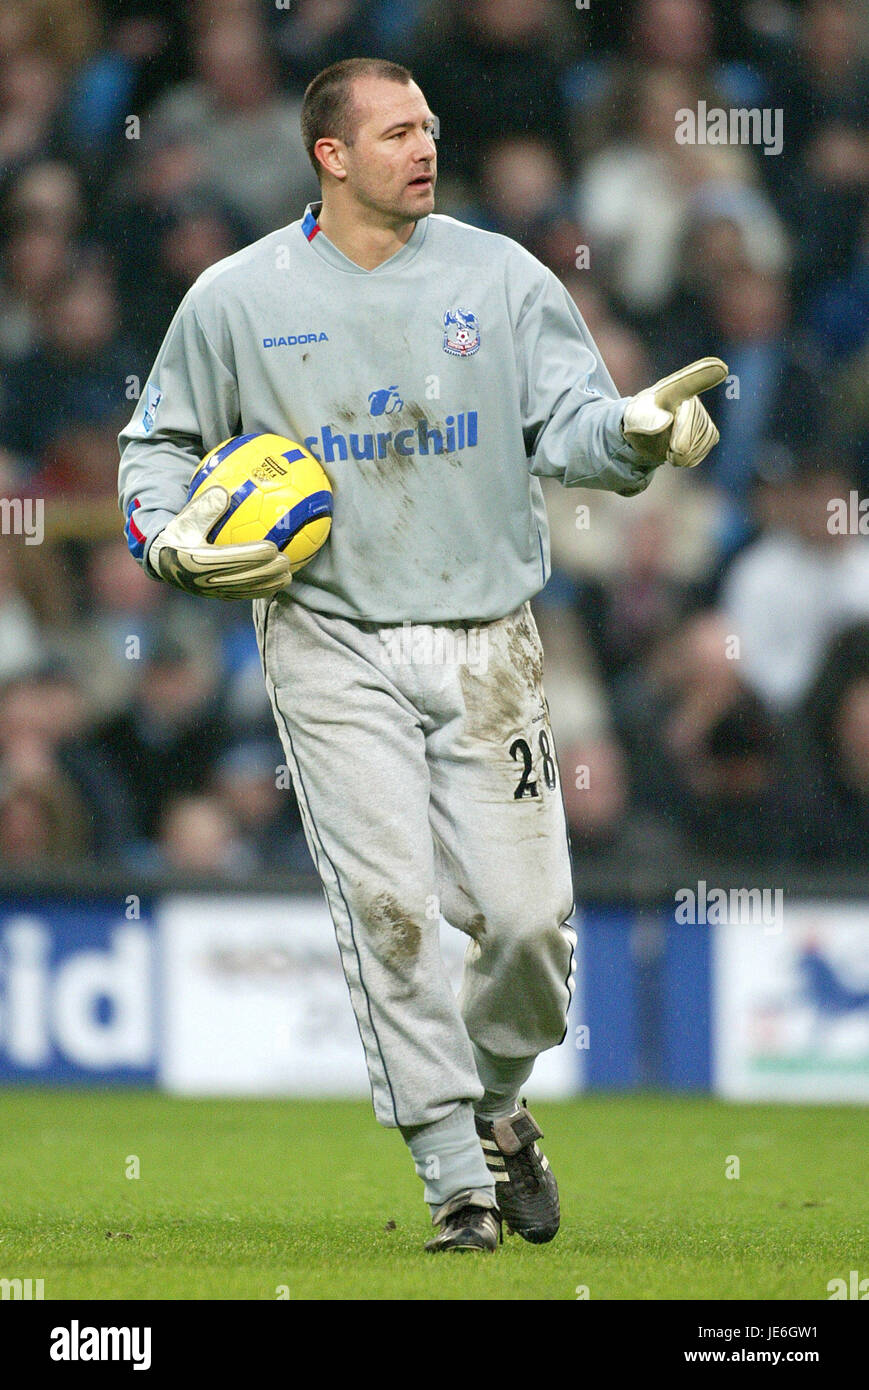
pixel 437 371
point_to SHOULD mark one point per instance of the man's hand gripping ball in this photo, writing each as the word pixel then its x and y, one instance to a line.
pixel 668 423
pixel 182 555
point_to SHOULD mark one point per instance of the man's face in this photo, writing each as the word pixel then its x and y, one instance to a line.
pixel 391 164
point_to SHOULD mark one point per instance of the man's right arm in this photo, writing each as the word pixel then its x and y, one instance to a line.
pixel 189 405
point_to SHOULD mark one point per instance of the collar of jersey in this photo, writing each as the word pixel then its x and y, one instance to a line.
pixel 328 251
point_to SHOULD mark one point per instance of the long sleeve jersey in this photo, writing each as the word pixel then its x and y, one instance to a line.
pixel 436 390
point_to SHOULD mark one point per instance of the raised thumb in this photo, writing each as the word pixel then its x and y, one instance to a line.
pixel 199 516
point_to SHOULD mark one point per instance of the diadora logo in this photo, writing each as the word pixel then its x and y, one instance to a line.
pixel 385 401
pixel 295 339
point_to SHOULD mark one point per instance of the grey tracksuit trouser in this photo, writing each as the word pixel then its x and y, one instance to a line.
pixel 425 772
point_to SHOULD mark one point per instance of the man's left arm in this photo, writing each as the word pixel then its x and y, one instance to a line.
pixel 578 428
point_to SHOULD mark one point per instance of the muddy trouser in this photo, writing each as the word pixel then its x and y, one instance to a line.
pixel 425 773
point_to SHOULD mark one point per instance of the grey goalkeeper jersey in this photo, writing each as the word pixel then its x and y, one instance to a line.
pixel 435 390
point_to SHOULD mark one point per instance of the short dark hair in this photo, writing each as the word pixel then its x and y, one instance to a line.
pixel 327 108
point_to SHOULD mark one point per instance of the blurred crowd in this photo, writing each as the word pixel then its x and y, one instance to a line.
pixel 707 642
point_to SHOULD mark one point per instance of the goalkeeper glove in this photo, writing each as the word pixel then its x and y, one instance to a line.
pixel 182 555
pixel 668 422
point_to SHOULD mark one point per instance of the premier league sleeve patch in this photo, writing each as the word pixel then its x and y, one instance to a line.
pixel 153 397
pixel 461 333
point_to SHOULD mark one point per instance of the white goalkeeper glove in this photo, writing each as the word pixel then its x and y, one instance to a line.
pixel 667 422
pixel 183 556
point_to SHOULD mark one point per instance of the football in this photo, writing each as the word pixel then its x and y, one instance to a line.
pixel 277 491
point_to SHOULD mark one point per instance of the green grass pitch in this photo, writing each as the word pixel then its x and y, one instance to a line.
pixel 313 1200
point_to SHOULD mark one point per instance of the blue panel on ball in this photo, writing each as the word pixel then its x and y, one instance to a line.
pixel 240 495
pixel 207 468
pixel 317 505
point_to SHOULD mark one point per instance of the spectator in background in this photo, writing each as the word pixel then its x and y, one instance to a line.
pixel 245 131
pixel 523 194
pixel 35 263
pixel 144 46
pixel 191 234
pixel 635 196
pixel 493 69
pixel 789 591
pixel 77 464
pixel 699 42
pixel 198 232
pixel 48 194
pixel 40 822
pixel 728 228
pixel 749 315
pixel 67 30
pixel 781 386
pixel 57 803
pixel 674 33
pixel 705 753
pixel 44 214
pixel 833 764
pixel 628 360
pixel 31 94
pixel 644 598
pixel 198 836
pixel 819 78
pixel 521 188
pixel 123 613
pixel 820 82
pixel 605 821
pixel 313 34
pixel 75 376
pixel 162 183
pixel 168 740
pixel 21 645
pixel 251 784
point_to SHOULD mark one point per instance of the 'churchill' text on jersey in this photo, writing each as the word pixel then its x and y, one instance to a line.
pixel 457 432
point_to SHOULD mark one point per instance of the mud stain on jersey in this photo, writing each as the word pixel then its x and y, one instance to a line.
pixel 396 937
pixel 374 439
pixel 395 467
